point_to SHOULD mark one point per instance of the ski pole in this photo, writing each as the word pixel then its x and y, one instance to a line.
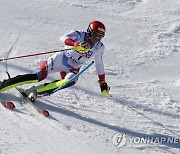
pixel 36 54
pixel 69 81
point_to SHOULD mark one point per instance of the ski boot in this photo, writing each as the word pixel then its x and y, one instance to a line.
pixel 30 93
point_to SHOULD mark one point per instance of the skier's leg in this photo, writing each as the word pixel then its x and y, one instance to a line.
pixel 54 64
pixel 57 63
pixel 48 87
pixel 18 81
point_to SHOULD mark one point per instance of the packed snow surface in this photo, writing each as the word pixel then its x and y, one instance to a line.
pixel 142 68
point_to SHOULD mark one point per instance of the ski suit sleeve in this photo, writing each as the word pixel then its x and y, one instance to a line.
pixel 71 37
pixel 99 63
pixel 100 71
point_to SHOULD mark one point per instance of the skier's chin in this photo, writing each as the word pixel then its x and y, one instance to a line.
pixel 93 41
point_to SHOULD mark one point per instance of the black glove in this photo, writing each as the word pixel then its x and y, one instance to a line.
pixel 104 86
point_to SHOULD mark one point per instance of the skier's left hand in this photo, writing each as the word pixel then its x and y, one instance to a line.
pixel 104 86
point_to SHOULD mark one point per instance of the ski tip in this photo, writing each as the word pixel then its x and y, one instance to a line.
pixel 9 105
pixel 45 113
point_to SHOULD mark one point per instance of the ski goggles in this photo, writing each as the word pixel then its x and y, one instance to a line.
pixel 96 35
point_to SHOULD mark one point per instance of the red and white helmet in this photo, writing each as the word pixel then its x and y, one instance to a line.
pixel 96 27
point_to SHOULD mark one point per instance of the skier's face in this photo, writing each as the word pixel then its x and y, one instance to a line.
pixel 95 37
pixel 93 40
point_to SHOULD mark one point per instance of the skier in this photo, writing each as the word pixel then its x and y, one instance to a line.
pixel 85 45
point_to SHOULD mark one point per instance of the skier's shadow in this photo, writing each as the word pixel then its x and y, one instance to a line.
pixel 60 109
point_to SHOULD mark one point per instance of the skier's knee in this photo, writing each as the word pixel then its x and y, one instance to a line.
pixel 41 76
pixel 71 75
pixel 42 71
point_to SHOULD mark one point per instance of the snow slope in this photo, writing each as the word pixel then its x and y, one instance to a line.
pixel 142 65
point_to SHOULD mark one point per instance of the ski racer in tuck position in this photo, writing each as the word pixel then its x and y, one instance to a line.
pixel 85 45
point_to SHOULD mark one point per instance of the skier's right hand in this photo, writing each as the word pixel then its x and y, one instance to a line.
pixel 82 47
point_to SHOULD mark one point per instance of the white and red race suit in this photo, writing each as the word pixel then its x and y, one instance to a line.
pixel 71 60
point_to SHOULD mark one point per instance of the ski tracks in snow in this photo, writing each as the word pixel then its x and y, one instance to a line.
pixel 13 39
pixel 168 42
